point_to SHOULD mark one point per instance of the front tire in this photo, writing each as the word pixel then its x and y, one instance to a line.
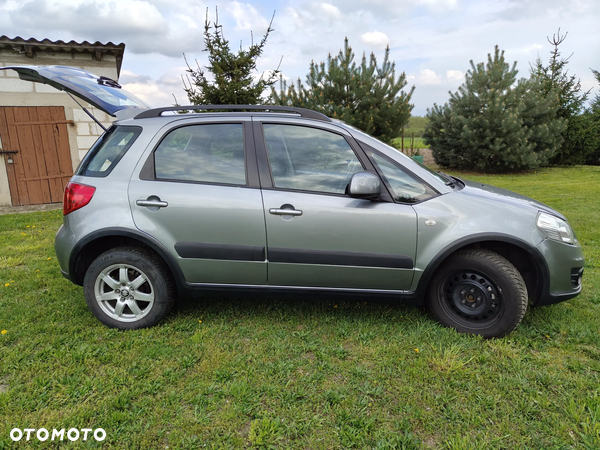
pixel 477 291
pixel 129 288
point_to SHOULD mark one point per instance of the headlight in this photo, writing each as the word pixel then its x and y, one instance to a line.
pixel 555 228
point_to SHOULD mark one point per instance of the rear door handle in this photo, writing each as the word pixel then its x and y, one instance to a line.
pixel 152 202
pixel 285 212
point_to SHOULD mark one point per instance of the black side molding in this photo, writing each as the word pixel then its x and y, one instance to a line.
pixel 338 258
pixel 201 250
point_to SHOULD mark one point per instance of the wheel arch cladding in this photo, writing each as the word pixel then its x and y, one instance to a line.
pixel 88 249
pixel 527 259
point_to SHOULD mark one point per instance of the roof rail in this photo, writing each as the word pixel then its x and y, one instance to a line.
pixel 303 112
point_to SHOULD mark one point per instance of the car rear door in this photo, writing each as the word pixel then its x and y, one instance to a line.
pixel 317 236
pixel 101 92
pixel 198 195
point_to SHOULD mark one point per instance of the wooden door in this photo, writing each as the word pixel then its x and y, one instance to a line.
pixel 36 153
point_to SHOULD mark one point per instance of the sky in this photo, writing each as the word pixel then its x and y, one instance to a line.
pixel 431 41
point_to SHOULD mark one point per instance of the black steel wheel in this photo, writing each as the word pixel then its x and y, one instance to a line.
pixel 479 292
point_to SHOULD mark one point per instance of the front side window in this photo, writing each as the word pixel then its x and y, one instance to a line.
pixel 211 153
pixel 309 159
pixel 108 151
pixel 405 187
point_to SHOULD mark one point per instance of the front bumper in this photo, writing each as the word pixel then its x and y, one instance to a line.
pixel 564 263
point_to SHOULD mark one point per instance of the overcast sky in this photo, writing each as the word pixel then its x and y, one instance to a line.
pixel 432 41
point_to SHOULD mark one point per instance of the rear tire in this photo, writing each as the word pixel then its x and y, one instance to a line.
pixel 479 292
pixel 129 288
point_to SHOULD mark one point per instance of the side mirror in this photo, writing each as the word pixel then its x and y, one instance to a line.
pixel 364 185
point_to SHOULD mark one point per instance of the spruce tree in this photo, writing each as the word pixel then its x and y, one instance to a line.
pixel 365 95
pixel 594 130
pixel 554 78
pixel 232 73
pixel 495 123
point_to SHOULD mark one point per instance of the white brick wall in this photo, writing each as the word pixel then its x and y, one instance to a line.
pixel 45 89
pixel 15 85
pixel 85 142
pixel 79 115
pixel 83 129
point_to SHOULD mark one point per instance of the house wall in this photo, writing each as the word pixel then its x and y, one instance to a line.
pixel 16 92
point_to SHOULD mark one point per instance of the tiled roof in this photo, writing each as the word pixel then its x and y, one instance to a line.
pixel 97 49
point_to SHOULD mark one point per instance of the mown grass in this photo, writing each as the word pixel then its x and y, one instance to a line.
pixel 299 374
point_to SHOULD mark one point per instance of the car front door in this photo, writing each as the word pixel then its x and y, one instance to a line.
pixel 198 195
pixel 317 236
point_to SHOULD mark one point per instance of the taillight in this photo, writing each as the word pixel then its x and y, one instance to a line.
pixel 76 196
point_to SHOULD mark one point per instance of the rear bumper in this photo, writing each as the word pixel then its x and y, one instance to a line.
pixel 66 275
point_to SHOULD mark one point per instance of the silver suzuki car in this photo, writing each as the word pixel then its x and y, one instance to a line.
pixel 260 199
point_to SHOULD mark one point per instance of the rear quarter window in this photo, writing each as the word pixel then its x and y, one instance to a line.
pixel 108 150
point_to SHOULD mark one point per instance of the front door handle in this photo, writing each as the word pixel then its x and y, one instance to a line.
pixel 285 211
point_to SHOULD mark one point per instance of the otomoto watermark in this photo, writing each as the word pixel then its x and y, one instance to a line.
pixel 72 434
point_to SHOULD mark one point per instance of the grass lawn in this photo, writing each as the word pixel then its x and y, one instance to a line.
pixel 263 373
pixel 417 143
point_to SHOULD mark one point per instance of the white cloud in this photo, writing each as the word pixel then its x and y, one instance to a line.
pixel 247 18
pixel 439 5
pixel 151 94
pixel 532 49
pixel 425 77
pixel 330 10
pixel 376 39
pixel 132 16
pixel 455 76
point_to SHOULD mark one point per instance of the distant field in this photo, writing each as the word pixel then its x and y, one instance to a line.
pixel 408 143
pixel 414 130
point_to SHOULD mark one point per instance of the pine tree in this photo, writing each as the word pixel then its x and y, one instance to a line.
pixel 232 73
pixel 495 123
pixel 364 95
pixel 555 78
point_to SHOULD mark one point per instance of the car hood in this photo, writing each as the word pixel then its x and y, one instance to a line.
pixel 504 195
pixel 102 92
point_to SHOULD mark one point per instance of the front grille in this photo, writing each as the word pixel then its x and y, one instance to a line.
pixel 576 274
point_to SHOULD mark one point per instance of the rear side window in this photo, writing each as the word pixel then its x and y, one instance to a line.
pixel 108 151
pixel 210 153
